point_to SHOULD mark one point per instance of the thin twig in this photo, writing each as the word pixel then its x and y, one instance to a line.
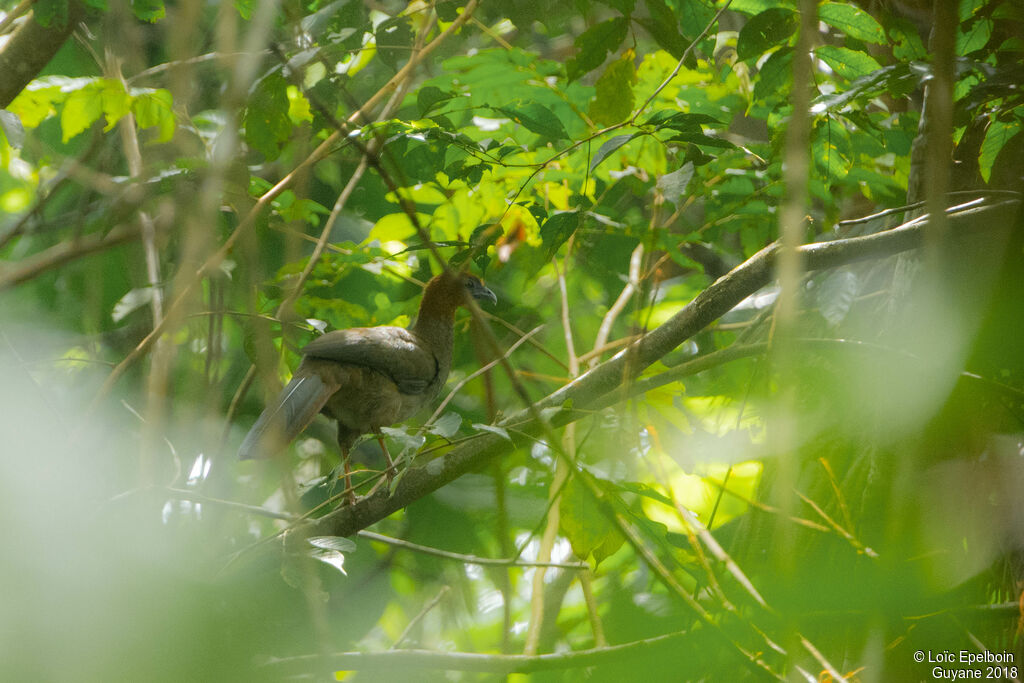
pixel 467 559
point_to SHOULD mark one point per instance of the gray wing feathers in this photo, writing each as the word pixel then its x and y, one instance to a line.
pixel 393 351
pixel 290 413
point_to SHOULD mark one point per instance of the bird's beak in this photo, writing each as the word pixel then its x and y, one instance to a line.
pixel 481 293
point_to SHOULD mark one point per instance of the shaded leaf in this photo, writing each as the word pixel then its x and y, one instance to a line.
pixel 673 185
pixel 775 77
pixel 766 30
pixel 148 10
pixel 837 294
pixel 267 126
pixel 536 118
pixel 594 44
pixel 404 439
pixel 998 134
pixel 588 529
pixel 557 229
pixel 447 425
pixel 664 27
pixel 429 97
pixel 609 147
pixel 614 99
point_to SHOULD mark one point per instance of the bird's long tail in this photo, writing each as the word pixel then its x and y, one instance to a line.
pixel 282 420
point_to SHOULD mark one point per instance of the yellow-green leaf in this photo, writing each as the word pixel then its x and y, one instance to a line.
pixel 153 108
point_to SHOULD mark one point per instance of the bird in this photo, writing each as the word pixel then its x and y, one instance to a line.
pixel 366 378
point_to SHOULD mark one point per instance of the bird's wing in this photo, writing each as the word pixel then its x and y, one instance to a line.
pixel 290 413
pixel 393 351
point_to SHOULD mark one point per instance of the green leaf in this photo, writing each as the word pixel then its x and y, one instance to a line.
pixel 245 8
pixel 996 137
pixel 850 64
pixel 975 37
pixel 663 25
pixel 830 150
pixel 393 37
pixel 429 97
pixel 609 147
pixel 537 118
pixel 51 12
pixel 614 99
pixel 589 531
pixel 557 229
pixel 267 126
pixel 81 109
pixel 776 76
pixel 853 21
pixel 899 78
pixel 447 10
pixel 768 29
pixel 624 6
pixel 148 10
pixel 643 490
pixel 677 120
pixel 594 44
pixel 701 139
pixel 155 108
pixel 673 185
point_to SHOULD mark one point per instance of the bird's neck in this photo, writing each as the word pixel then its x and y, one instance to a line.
pixel 435 324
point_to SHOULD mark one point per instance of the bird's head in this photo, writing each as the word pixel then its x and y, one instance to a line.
pixel 449 290
pixel 475 288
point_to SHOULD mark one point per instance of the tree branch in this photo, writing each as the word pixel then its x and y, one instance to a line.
pixel 31 48
pixel 395 660
pixel 65 252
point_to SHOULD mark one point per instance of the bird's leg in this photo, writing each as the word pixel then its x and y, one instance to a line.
pixel 350 492
pixel 390 471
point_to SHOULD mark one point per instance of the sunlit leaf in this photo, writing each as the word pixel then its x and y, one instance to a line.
pixel 493 429
pixel 337 543
pixel 850 64
pixel 852 21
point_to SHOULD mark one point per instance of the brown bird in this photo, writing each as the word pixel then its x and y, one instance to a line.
pixel 366 378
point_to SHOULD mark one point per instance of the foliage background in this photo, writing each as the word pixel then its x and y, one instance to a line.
pixel 818 483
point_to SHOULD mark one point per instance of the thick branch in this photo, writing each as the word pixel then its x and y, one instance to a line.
pixel 395 660
pixel 65 252
pixel 30 49
pixel 719 298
